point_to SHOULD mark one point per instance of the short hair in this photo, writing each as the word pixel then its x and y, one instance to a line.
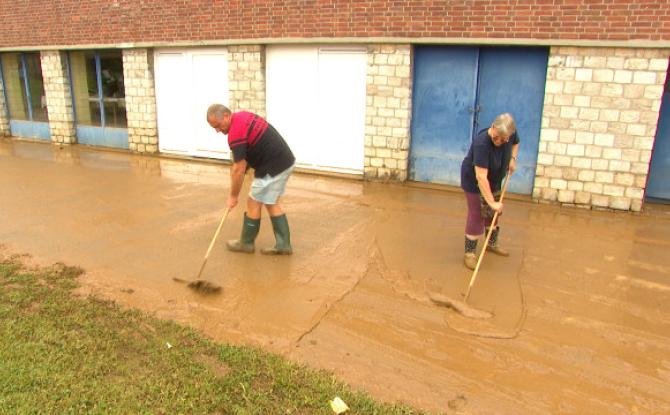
pixel 217 111
pixel 505 124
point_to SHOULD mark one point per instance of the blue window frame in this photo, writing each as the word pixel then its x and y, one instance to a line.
pixel 4 92
pixel 24 88
pixel 98 97
pixel 24 94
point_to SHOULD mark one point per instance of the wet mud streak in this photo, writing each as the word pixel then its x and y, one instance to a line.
pixel 485 329
pixel 398 282
pixel 355 235
pixel 355 232
pixel 329 306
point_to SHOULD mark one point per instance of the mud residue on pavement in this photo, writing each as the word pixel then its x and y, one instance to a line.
pixel 584 298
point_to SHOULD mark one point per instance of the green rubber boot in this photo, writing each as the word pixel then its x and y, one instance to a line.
pixel 282 235
pixel 250 228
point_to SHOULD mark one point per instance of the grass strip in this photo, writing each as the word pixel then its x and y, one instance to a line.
pixel 60 353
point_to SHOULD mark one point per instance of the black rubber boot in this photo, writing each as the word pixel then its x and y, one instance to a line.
pixel 470 259
pixel 282 236
pixel 250 228
pixel 493 243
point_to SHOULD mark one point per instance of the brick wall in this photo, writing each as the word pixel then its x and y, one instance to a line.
pixel 59 97
pixel 140 100
pixel 246 74
pixel 4 121
pixel 599 121
pixel 387 112
pixel 69 22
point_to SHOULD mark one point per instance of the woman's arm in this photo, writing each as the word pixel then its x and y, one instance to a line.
pixel 485 188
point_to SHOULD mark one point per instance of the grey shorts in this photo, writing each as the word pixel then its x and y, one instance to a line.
pixel 268 189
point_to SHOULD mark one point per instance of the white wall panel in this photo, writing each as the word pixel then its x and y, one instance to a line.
pixel 316 99
pixel 187 82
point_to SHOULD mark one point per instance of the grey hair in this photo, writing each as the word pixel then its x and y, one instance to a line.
pixel 217 111
pixel 505 124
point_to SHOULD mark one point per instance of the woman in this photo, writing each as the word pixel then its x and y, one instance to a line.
pixel 493 152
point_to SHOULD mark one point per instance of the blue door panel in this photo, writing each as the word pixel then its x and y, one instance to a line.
pixel 30 129
pixel 106 137
pixel 438 170
pixel 458 91
pixel 443 96
pixel 658 185
pixel 513 80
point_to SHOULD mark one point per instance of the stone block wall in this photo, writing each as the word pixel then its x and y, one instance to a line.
pixel 59 97
pixel 140 100
pixel 246 74
pixel 387 114
pixel 4 120
pixel 598 126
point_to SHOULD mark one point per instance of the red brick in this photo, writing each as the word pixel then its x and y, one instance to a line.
pixel 69 22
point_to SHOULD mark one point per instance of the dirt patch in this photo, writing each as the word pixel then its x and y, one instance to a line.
pixel 214 365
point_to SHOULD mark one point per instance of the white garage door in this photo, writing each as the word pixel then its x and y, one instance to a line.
pixel 316 99
pixel 187 82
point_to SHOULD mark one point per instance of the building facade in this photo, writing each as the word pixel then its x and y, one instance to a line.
pixel 379 89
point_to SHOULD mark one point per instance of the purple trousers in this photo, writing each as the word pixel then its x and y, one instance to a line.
pixel 476 221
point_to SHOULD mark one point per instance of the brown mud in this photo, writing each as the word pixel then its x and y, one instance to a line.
pixel 581 308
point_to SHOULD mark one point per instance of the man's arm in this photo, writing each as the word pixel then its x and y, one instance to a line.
pixel 237 172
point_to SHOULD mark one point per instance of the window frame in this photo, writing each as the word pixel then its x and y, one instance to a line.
pixel 26 88
pixel 100 98
pixel 4 91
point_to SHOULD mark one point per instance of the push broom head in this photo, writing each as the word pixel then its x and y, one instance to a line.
pixel 204 287
pixel 200 286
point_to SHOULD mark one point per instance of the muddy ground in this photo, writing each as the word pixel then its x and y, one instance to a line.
pixel 581 308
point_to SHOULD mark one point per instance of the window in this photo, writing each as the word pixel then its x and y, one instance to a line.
pixel 24 87
pixel 98 89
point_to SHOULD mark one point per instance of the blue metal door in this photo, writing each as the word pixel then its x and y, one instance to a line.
pixel 512 80
pixel 445 82
pixel 460 90
pixel 658 185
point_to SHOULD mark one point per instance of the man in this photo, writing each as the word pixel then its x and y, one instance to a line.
pixel 255 143
pixel 492 155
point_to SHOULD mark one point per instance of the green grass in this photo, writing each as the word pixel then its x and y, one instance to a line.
pixel 60 353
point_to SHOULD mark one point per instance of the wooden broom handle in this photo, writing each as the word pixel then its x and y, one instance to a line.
pixel 488 237
pixel 211 244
